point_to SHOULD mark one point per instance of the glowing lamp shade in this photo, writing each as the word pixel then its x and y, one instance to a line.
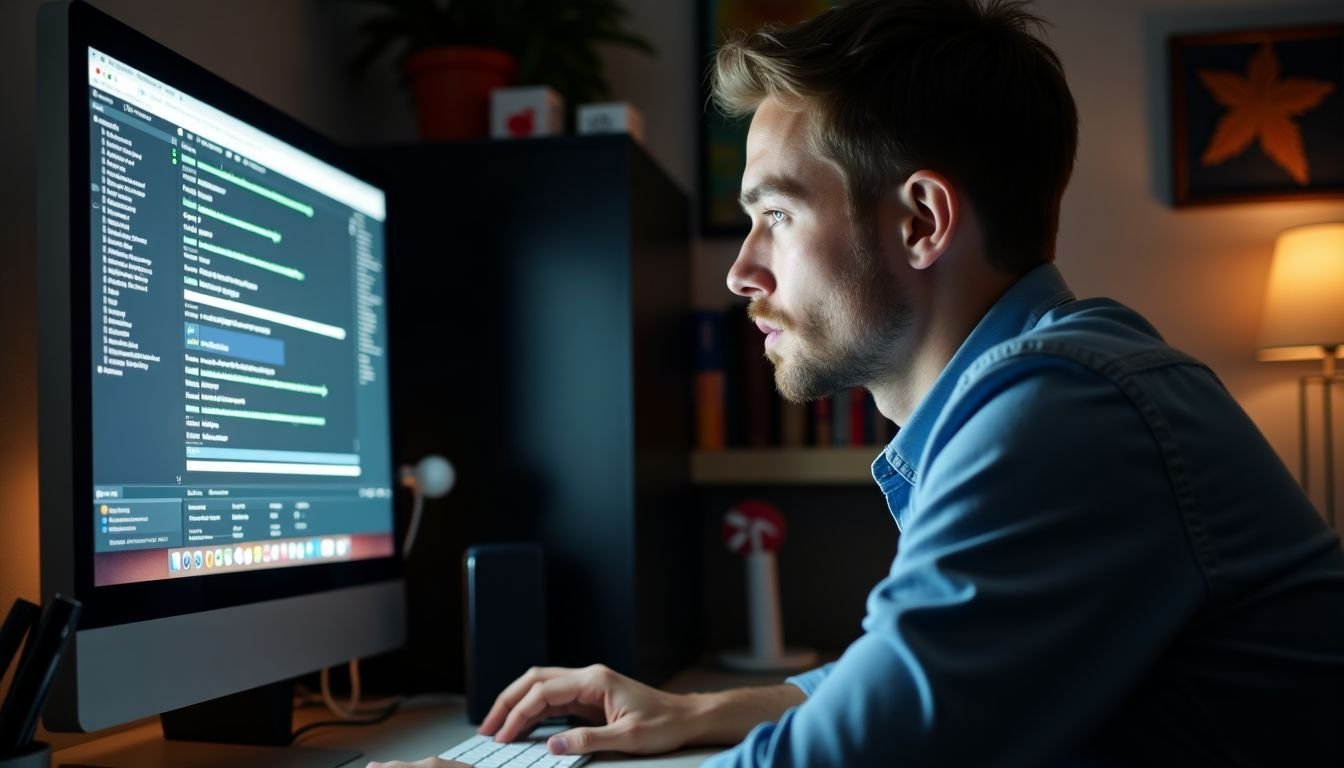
pixel 1304 305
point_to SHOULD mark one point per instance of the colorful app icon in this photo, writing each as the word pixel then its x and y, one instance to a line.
pixel 186 561
pixel 247 555
pixel 175 561
pixel 342 547
pixel 228 557
pixel 328 547
pixel 198 560
pixel 238 555
pixel 256 553
pixel 209 559
pixel 310 548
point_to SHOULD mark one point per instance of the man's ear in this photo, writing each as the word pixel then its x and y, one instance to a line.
pixel 932 214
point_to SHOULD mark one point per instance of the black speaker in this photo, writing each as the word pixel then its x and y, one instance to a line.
pixel 506 619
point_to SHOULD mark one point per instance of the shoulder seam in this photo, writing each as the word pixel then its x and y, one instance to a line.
pixel 1120 373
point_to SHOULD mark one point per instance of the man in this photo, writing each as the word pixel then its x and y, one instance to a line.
pixel 1102 562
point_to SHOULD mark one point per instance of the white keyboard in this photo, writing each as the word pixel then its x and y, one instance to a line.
pixel 485 752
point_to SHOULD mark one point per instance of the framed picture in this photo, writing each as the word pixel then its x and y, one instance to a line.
pixel 1257 115
pixel 723 142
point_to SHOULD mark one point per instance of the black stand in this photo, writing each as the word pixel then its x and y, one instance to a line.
pixel 34 755
pixel 260 716
pixel 252 728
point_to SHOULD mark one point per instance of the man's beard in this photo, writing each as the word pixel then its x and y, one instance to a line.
pixel 866 307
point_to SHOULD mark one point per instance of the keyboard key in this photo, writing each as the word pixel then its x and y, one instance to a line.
pixel 485 752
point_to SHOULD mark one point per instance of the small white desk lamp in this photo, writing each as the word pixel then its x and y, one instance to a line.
pixel 432 478
pixel 1304 320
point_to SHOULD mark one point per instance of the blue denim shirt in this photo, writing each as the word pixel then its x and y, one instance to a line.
pixel 1102 562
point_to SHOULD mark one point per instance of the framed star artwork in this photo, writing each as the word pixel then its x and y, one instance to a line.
pixel 1257 115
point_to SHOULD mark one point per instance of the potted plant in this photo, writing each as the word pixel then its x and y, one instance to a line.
pixel 454 52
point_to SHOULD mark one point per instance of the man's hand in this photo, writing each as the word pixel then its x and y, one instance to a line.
pixel 631 716
pixel 635 718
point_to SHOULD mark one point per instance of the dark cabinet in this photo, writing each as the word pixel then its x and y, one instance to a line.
pixel 539 295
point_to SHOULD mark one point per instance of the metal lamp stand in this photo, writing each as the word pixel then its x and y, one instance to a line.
pixel 1327 378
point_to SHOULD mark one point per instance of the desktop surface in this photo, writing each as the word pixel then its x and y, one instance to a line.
pixel 423 726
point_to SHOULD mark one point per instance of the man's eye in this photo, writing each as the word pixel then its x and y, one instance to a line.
pixel 775 217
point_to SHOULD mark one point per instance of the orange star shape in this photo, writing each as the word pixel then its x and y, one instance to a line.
pixel 1261 105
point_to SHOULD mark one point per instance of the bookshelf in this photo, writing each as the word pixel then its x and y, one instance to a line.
pixel 784 466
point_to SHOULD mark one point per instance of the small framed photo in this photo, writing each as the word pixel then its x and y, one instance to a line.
pixel 1257 115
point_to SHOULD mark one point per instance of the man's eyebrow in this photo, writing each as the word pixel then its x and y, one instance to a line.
pixel 772 185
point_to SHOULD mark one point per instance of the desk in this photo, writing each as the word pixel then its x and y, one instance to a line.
pixel 423 726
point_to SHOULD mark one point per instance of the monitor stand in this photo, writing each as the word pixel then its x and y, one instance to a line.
pixel 251 728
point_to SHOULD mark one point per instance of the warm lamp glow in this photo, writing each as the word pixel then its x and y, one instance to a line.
pixel 1304 306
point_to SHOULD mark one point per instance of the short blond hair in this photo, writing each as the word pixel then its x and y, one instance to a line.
pixel 961 87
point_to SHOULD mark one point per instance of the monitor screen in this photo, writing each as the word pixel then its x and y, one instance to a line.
pixel 239 387
pixel 215 440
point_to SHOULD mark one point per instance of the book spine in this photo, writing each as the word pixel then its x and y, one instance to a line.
pixel 731 349
pixel 840 418
pixel 710 392
pixel 757 392
pixel 821 423
pixel 860 432
pixel 792 424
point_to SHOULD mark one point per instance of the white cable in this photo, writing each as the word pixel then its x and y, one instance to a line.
pixel 347 711
pixel 417 506
pixel 434 477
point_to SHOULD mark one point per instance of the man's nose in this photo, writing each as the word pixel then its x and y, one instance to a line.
pixel 750 274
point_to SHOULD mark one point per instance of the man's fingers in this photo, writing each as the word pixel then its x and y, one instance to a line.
pixel 580 741
pixel 510 696
pixel 542 700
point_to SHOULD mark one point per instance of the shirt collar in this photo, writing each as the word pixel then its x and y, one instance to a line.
pixel 1016 312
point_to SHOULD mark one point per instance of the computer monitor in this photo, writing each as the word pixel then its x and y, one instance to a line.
pixel 216 466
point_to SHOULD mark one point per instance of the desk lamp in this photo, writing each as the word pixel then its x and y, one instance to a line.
pixel 1304 320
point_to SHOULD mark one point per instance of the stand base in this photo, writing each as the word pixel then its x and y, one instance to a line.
pixel 35 755
pixel 793 660
pixel 185 754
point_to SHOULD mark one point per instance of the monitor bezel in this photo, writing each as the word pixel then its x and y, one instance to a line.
pixel 117 604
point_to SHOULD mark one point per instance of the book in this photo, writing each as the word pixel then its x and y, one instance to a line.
pixel 840 418
pixel 860 426
pixel 792 424
pixel 821 423
pixel 710 392
pixel 755 393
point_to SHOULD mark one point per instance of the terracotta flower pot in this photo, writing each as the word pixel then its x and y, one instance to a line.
pixel 451 86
